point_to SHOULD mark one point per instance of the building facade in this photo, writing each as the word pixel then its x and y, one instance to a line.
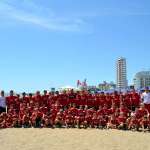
pixel 142 79
pixel 105 86
pixel 121 72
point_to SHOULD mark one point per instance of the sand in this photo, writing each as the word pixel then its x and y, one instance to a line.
pixel 72 139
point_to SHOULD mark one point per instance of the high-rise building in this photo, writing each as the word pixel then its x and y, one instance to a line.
pixel 142 79
pixel 121 73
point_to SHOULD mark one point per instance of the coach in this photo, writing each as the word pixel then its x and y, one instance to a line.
pixel 2 102
pixel 146 98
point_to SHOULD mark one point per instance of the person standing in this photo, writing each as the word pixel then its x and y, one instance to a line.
pixel 146 98
pixel 2 102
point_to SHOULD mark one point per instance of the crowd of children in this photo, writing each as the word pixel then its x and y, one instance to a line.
pixel 76 110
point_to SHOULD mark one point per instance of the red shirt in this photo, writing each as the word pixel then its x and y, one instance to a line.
pixel 112 110
pixel 73 111
pixel 121 119
pixel 45 99
pixel 91 112
pixel 140 113
pixel 81 112
pixel 63 99
pixel 100 112
pixel 102 100
pixel 145 122
pixel 108 101
pixel 124 110
pixel 25 99
pixel 88 118
pixel 127 100
pixel 105 111
pixel 10 100
pixel 83 100
pixel 135 99
pixel 90 100
pixel 134 121
pixel 116 100
pixel 38 99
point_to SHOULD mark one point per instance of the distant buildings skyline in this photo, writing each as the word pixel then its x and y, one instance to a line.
pixel 142 79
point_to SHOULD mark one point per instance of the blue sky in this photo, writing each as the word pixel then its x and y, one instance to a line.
pixel 53 43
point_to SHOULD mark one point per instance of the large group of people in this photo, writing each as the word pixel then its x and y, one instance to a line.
pixel 81 109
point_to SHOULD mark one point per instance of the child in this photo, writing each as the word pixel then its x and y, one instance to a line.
pixel 112 122
pixel 69 122
pixel 59 120
pixel 122 121
pixel 133 123
pixel 145 123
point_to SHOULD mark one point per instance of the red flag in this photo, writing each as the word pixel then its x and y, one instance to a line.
pixel 84 83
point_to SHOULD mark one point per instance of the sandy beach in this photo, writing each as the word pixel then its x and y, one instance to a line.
pixel 72 139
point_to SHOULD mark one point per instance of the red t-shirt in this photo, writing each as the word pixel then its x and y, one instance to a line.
pixel 102 100
pixel 134 121
pixel 121 119
pixel 38 99
pixel 10 100
pixel 73 111
pixel 140 113
pixel 127 100
pixel 81 112
pixel 45 99
pixel 135 99
pixel 124 110
pixel 90 100
pixel 63 99
pixel 116 100
pixel 112 110
pixel 100 112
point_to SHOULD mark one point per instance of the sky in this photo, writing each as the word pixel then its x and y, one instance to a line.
pixel 54 43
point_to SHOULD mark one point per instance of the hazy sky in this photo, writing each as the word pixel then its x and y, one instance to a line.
pixel 52 43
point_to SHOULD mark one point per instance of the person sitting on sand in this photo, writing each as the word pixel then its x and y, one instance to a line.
pixel 87 120
pixel 26 122
pixel 145 124
pixel 95 121
pixel 122 124
pixel 133 123
pixel 79 119
pixel 112 122
pixel 142 111
pixel 69 121
pixel 102 122
pixel 59 122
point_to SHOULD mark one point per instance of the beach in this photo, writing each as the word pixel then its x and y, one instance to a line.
pixel 72 139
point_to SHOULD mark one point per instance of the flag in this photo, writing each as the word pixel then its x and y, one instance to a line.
pixel 78 83
pixel 84 83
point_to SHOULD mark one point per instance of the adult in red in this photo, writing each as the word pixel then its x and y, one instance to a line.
pixel 141 112
pixel 45 97
pixel 38 98
pixel 102 99
pixel 116 99
pixel 127 100
pixel 122 121
pixel 10 100
pixel 135 100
